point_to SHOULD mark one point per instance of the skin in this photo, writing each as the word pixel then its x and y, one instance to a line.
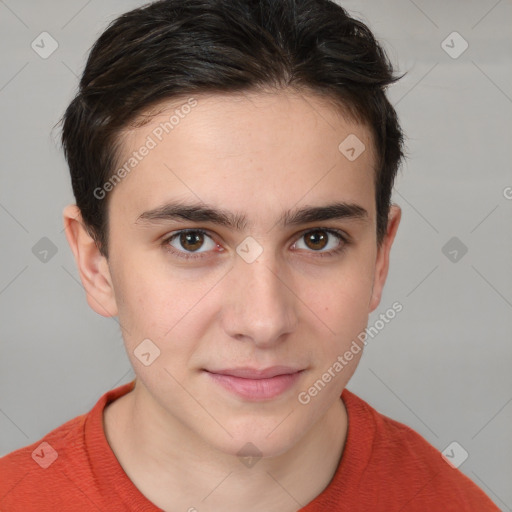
pixel 177 435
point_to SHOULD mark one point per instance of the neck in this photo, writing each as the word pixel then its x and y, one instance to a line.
pixel 176 469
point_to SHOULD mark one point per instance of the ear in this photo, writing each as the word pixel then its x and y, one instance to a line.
pixel 92 265
pixel 382 261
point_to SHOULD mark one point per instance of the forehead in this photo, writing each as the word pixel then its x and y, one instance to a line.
pixel 246 149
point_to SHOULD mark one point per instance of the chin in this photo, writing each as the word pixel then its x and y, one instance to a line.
pixel 257 439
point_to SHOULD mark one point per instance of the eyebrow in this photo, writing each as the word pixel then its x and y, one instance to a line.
pixel 200 212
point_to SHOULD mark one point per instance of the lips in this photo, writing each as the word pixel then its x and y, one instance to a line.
pixel 253 373
pixel 256 384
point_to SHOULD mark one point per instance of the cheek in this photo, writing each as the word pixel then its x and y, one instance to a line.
pixel 161 303
pixel 343 304
pixel 343 296
pixel 141 297
pixel 156 318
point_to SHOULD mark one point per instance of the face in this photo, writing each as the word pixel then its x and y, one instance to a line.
pixel 242 248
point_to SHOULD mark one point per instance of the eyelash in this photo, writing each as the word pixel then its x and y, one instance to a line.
pixel 344 239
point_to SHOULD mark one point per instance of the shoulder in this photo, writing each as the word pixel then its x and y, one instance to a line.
pixel 60 471
pixel 405 465
pixel 40 472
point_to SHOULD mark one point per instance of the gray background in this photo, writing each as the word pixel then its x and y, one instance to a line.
pixel 442 366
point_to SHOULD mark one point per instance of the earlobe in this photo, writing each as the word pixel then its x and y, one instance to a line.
pixel 382 262
pixel 92 265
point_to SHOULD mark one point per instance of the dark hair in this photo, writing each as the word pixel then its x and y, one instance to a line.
pixel 173 48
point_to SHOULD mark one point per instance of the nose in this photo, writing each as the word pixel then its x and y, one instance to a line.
pixel 260 304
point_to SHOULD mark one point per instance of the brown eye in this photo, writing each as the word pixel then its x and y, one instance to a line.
pixel 192 240
pixel 316 240
pixel 325 242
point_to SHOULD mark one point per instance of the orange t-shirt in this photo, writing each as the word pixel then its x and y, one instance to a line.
pixel 385 466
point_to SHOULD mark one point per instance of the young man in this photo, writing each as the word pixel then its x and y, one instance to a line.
pixel 232 163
